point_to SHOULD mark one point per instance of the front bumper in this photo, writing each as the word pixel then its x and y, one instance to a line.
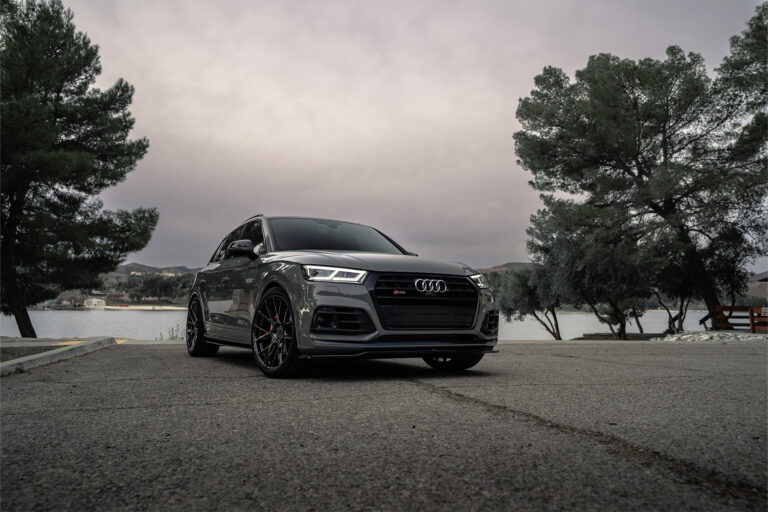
pixel 384 343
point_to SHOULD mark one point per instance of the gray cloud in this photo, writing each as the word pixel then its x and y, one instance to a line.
pixel 396 114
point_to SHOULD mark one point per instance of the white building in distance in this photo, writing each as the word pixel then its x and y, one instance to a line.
pixel 94 303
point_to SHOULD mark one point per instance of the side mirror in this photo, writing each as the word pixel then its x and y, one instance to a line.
pixel 241 248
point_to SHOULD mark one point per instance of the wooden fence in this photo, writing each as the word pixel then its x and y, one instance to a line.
pixel 742 317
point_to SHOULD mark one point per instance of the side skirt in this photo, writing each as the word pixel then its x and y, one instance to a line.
pixel 228 344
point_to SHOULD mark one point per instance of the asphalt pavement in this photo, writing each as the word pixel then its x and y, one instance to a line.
pixel 540 425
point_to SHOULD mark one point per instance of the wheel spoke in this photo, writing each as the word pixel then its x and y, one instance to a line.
pixel 278 304
pixel 265 316
pixel 265 350
pixel 287 316
pixel 273 355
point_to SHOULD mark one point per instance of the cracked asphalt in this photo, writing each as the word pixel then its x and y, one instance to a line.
pixel 540 425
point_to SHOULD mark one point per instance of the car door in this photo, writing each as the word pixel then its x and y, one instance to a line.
pixel 243 273
pixel 217 286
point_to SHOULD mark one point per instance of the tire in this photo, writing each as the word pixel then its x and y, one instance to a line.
pixel 273 336
pixel 453 363
pixel 197 345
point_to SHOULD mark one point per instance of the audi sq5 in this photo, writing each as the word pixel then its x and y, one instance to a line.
pixel 293 290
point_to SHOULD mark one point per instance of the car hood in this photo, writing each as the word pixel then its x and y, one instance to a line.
pixel 376 262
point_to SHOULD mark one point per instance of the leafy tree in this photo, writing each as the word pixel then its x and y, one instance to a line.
pixel 744 75
pixel 62 143
pixel 528 292
pixel 682 154
pixel 594 257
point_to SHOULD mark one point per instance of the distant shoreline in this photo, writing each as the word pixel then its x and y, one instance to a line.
pixel 135 307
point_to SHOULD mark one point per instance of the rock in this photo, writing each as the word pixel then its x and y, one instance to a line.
pixel 713 337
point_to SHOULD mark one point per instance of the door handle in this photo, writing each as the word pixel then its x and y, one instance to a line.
pixel 203 281
pixel 225 279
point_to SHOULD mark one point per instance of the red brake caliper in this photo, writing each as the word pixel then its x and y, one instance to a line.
pixel 272 325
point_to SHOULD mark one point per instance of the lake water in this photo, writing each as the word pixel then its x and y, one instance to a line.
pixel 149 325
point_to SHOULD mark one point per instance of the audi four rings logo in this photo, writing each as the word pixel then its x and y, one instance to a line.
pixel 431 285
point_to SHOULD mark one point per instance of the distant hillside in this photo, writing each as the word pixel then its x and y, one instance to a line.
pixel 512 266
pixel 138 267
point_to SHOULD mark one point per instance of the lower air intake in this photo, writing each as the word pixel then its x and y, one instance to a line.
pixel 337 320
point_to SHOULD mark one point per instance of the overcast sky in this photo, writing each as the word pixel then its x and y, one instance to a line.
pixel 394 114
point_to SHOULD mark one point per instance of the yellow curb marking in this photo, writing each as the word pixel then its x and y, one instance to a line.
pixel 75 342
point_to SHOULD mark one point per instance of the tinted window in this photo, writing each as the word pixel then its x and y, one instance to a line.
pixel 315 234
pixel 221 252
pixel 253 233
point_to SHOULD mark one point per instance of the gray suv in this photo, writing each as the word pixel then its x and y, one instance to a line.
pixel 294 289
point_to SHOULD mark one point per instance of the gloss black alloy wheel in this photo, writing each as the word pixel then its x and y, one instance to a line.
pixel 273 336
pixel 453 363
pixel 197 346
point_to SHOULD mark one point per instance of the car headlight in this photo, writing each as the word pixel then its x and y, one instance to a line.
pixel 339 275
pixel 480 280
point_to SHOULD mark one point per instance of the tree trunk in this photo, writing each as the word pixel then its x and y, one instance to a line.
pixel 557 324
pixel 537 317
pixel 637 320
pixel 20 313
pixel 16 302
pixel 670 319
pixel 621 334
pixel 683 312
pixel 701 277
pixel 554 327
pixel 603 320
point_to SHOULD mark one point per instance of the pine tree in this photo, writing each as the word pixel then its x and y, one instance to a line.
pixel 62 142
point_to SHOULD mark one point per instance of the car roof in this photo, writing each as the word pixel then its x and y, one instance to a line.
pixel 264 217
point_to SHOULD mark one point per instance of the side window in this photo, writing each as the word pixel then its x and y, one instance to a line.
pixel 253 233
pixel 221 252
pixel 217 252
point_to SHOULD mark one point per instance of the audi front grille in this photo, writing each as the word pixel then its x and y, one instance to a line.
pixel 402 306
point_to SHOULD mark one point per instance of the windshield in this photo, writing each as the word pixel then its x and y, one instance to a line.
pixel 328 235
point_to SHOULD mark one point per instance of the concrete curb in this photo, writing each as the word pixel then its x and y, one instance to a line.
pixel 53 356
